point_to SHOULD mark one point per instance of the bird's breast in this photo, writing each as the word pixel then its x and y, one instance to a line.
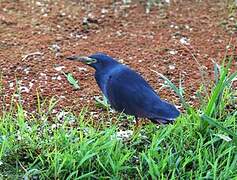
pixel 102 77
pixel 102 81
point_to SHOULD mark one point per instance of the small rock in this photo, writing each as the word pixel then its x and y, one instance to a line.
pixel 38 3
pixel 63 14
pixel 62 97
pixel 81 69
pixel 121 60
pixel 54 111
pixel 171 67
pixel 11 84
pixel 42 74
pixel 24 89
pixel 123 135
pixel 55 48
pixel 104 11
pixel 59 68
pixel 173 52
pixel 184 41
pixel 27 70
pixel 31 85
pixel 59 78
pixel 54 126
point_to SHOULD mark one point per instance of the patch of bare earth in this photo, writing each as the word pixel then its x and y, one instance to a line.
pixel 177 40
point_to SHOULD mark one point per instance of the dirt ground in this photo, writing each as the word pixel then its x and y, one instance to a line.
pixel 176 39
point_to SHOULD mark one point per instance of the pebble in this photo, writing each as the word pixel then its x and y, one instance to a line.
pixel 171 67
pixel 59 78
pixel 27 70
pixel 55 48
pixel 123 135
pixel 184 41
pixel 173 52
pixel 81 69
pixel 59 68
pixel 24 89
pixel 31 84
pixel 104 11
pixel 11 84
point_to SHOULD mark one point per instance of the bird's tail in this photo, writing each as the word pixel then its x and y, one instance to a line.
pixel 166 113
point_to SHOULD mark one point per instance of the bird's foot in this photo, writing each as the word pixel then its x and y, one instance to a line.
pixel 137 127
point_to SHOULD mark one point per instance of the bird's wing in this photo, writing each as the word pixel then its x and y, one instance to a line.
pixel 128 92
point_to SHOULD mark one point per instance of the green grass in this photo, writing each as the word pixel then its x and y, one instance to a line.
pixel 200 145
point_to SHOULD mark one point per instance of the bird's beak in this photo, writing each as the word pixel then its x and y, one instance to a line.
pixel 83 59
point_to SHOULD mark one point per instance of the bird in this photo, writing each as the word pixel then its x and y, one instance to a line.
pixel 127 91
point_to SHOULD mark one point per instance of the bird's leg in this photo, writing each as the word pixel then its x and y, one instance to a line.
pixel 137 128
pixel 137 124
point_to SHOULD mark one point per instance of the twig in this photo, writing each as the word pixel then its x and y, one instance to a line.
pixel 31 54
pixel 199 65
pixel 22 166
pixel 200 68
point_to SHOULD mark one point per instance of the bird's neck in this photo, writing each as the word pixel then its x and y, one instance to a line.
pixel 102 76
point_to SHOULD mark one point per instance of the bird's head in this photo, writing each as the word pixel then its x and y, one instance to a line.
pixel 98 61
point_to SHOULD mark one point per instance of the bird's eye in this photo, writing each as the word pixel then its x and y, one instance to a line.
pixel 91 61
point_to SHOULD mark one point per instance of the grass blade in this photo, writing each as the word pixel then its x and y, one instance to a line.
pixel 219 126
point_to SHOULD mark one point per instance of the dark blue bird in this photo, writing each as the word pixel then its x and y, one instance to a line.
pixel 127 91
